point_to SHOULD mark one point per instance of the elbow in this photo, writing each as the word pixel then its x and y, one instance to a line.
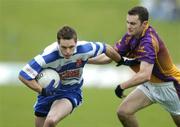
pixel 108 61
pixel 147 77
pixel 23 80
pixel 20 78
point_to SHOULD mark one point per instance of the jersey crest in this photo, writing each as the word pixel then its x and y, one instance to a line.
pixel 79 62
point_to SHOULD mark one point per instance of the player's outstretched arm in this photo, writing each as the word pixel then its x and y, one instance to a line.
pixel 112 53
pixel 100 59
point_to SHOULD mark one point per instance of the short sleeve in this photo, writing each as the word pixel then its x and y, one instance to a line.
pixel 147 51
pixel 123 45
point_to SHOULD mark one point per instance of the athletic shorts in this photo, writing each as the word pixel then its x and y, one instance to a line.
pixel 43 104
pixel 163 93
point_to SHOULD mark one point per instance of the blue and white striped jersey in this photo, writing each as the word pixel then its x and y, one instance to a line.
pixel 70 70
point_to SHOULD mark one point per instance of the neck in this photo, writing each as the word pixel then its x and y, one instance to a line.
pixel 138 35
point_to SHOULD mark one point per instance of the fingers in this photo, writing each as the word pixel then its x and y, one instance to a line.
pixel 50 86
pixel 123 96
pixel 52 82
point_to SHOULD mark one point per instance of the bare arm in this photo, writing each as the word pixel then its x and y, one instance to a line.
pixel 101 59
pixel 32 84
pixel 142 76
pixel 112 53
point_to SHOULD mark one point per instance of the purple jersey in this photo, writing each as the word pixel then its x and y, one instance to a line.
pixel 150 48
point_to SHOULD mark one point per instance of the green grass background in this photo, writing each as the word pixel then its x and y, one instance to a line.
pixel 98 110
pixel 27 26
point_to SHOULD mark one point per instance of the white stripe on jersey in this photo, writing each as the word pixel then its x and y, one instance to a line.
pixel 94 46
pixel 100 49
pixel 67 68
pixel 30 71
pixel 39 59
pixel 49 49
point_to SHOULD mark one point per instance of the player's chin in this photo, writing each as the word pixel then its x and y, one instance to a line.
pixel 67 56
pixel 130 33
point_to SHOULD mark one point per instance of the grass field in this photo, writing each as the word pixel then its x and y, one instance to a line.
pixel 97 110
pixel 27 26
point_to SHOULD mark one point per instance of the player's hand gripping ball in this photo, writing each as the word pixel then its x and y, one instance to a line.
pixel 45 77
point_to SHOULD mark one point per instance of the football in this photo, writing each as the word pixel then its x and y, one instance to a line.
pixel 46 76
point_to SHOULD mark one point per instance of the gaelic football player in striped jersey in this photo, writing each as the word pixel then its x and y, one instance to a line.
pixel 68 57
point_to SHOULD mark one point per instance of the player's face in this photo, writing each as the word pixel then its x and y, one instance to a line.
pixel 134 25
pixel 67 47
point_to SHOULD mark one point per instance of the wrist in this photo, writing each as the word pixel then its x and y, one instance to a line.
pixel 125 86
pixel 43 92
pixel 120 62
pixel 122 86
pixel 40 90
pixel 119 91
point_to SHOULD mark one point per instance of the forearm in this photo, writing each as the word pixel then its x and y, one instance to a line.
pixel 111 53
pixel 137 79
pixel 101 59
pixel 142 76
pixel 32 84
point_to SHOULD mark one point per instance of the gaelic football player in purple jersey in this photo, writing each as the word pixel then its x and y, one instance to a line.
pixel 157 78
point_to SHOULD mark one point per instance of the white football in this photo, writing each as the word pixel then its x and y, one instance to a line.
pixel 46 76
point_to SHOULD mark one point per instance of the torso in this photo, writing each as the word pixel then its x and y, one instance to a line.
pixel 150 48
pixel 70 70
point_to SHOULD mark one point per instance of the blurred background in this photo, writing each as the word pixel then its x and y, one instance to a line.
pixel 28 26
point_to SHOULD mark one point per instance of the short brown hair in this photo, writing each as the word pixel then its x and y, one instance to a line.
pixel 142 12
pixel 67 33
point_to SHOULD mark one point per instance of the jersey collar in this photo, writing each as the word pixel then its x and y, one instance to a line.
pixel 145 29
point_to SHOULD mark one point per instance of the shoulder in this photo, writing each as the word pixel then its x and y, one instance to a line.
pixel 124 41
pixel 84 46
pixel 92 48
pixel 151 38
pixel 83 43
pixel 150 33
pixel 51 48
pixel 126 38
pixel 51 53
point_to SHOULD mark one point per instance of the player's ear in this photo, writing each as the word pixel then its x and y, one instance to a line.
pixel 145 23
pixel 75 39
pixel 58 41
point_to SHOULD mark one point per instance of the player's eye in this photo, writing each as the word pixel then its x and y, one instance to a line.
pixel 131 23
pixel 63 47
pixel 71 47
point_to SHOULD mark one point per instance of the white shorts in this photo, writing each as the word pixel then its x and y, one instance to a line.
pixel 163 93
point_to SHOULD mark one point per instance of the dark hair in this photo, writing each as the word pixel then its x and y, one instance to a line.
pixel 142 12
pixel 67 33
